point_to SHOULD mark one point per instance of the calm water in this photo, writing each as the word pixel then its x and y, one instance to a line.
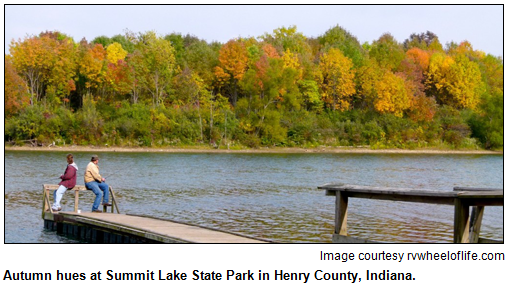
pixel 271 196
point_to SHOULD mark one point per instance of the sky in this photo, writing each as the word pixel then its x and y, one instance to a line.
pixel 481 25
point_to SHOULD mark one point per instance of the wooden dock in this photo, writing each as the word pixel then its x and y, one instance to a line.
pixel 123 228
pixel 466 224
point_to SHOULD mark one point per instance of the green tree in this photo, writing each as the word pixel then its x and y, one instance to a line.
pixel 338 37
pixel 125 41
pixel 103 40
pixel 421 40
pixel 488 124
pixel 157 67
pixel 177 43
pixel 284 38
pixel 387 51
pixel 202 58
pixel 311 96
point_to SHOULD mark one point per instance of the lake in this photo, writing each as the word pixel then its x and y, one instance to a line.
pixel 271 196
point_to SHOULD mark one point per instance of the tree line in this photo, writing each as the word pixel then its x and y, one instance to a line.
pixel 278 89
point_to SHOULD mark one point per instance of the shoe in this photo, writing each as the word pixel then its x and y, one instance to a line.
pixel 96 211
pixel 107 204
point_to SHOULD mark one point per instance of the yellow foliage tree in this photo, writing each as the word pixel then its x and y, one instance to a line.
pixel 455 81
pixel 115 52
pixel 46 64
pixel 291 60
pixel 392 96
pixel 337 79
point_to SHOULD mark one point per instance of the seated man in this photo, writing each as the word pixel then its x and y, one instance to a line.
pixel 95 182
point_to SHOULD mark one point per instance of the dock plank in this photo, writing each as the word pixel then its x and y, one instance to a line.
pixel 156 229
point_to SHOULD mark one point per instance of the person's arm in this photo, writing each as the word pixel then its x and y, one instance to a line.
pixel 95 174
pixel 70 172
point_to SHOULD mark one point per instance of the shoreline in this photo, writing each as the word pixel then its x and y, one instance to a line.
pixel 325 150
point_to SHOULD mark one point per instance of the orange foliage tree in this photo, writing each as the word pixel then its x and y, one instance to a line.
pixel 15 90
pixel 233 63
pixel 92 65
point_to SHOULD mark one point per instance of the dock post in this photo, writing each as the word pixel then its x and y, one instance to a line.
pixel 475 223
pixel 113 201
pixel 461 221
pixel 340 222
pixel 76 201
pixel 46 206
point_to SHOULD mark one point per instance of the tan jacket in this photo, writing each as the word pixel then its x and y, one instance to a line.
pixel 92 173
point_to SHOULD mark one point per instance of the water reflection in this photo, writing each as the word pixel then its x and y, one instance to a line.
pixel 271 196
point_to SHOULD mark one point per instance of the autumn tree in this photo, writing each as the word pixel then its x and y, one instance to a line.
pixel 115 52
pixel 455 81
pixel 413 70
pixel 233 63
pixel 47 64
pixel 30 59
pixel 15 89
pixel 366 77
pixel 63 72
pixel 337 79
pixel 118 73
pixel 492 72
pixel 288 38
pixel 92 66
pixel 392 96
pixel 120 77
pixel 464 85
pixel 414 75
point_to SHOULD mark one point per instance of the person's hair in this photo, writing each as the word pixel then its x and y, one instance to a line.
pixel 95 157
pixel 70 158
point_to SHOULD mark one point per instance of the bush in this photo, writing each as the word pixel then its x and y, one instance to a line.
pixel 29 123
pixel 89 123
pixel 454 128
pixel 487 126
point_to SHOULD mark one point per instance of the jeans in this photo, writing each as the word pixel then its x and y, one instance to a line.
pixel 97 189
pixel 58 194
